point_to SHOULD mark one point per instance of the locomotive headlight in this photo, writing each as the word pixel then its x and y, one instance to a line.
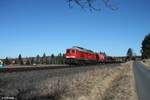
pixel 70 56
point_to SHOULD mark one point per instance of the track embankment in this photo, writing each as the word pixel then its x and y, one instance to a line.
pixel 94 82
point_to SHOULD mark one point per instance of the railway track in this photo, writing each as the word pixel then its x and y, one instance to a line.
pixel 21 69
pixel 32 68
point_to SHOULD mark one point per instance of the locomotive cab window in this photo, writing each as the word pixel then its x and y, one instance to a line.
pixel 73 51
pixel 68 51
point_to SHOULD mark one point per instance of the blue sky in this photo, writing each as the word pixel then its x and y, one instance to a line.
pixel 32 27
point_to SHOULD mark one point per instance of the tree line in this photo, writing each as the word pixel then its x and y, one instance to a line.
pixel 59 59
pixel 145 49
pixel 52 59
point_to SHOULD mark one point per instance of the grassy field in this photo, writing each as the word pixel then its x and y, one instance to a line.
pixel 81 83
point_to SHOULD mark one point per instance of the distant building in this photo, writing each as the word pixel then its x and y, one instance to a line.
pixel 1 63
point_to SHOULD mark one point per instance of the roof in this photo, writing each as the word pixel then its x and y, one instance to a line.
pixel 82 49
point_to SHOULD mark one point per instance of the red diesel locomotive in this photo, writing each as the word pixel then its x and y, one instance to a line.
pixel 79 55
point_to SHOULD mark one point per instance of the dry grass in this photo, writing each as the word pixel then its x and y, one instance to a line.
pixel 123 88
pixel 147 62
pixel 86 83
pixel 107 84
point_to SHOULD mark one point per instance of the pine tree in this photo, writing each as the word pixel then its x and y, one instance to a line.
pixel 129 54
pixel 146 47
pixel 20 59
pixel 52 59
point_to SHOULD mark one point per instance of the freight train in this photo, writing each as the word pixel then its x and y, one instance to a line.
pixel 80 56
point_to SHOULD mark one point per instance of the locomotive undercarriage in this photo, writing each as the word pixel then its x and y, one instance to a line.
pixel 72 61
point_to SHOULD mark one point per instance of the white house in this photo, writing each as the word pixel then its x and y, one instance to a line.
pixel 1 63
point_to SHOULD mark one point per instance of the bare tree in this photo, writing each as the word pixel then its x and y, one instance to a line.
pixel 93 4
